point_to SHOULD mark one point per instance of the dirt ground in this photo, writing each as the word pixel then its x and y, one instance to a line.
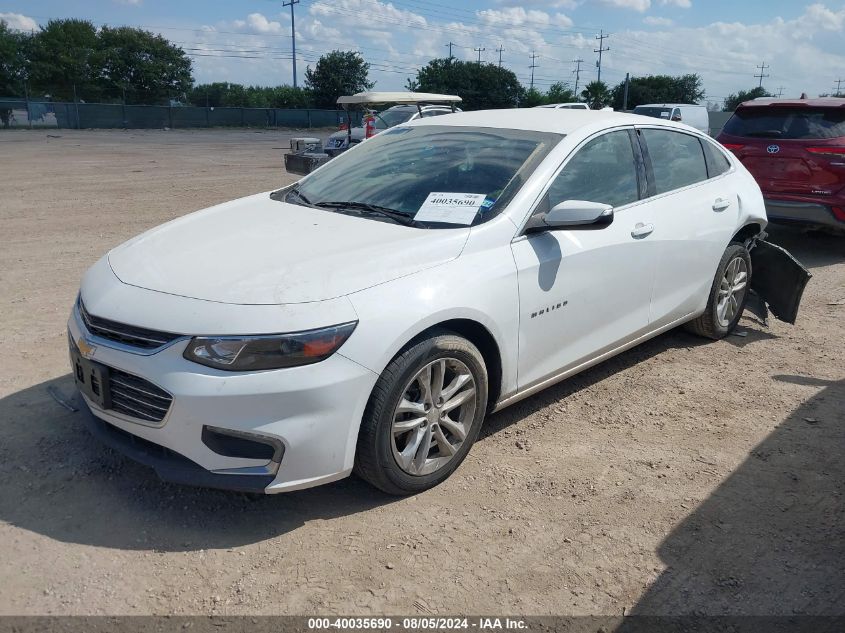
pixel 680 477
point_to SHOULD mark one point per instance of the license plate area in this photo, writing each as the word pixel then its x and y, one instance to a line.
pixel 92 379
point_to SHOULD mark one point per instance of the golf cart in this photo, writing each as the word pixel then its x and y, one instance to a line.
pixel 306 153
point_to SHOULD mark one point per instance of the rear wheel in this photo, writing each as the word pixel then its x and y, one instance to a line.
pixel 423 415
pixel 727 295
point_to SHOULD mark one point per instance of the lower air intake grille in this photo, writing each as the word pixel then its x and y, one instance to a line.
pixel 136 397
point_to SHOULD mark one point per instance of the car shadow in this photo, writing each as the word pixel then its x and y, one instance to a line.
pixel 58 481
pixel 674 339
pixel 769 540
pixel 813 249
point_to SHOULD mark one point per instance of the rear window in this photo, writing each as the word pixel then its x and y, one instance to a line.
pixel 657 113
pixel 787 122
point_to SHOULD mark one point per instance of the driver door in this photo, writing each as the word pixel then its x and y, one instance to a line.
pixel 584 291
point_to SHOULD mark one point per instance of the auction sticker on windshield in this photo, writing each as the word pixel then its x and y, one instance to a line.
pixel 453 208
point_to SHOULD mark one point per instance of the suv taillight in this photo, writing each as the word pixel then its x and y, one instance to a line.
pixel 832 150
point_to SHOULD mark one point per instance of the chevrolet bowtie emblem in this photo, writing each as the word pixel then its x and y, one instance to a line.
pixel 85 348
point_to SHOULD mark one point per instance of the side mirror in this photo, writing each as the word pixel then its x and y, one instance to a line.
pixel 575 213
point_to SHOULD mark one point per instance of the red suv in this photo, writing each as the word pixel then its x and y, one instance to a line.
pixel 795 149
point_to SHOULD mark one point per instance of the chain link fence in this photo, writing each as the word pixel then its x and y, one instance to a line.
pixel 19 113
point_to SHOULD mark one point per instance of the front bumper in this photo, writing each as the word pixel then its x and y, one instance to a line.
pixel 313 411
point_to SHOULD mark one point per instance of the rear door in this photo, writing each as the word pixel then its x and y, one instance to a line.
pixel 695 216
pixel 791 150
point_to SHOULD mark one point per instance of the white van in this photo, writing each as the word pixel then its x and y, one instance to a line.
pixel 693 115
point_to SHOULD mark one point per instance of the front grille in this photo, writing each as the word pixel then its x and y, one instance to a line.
pixel 136 397
pixel 122 333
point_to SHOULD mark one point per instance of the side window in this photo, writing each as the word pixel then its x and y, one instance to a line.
pixel 717 162
pixel 676 159
pixel 438 112
pixel 603 170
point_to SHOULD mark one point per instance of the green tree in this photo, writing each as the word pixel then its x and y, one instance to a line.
pixel 145 67
pixel 61 58
pixel 733 100
pixel 560 92
pixel 336 74
pixel 596 94
pixel 481 86
pixel 659 89
pixel 532 98
pixel 223 94
pixel 14 61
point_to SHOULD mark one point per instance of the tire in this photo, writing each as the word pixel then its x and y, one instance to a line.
pixel 716 323
pixel 385 455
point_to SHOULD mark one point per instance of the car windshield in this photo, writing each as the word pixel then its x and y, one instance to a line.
pixel 657 113
pixel 799 122
pixel 391 117
pixel 400 170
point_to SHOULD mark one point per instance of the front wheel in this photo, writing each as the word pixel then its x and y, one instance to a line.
pixel 727 295
pixel 423 415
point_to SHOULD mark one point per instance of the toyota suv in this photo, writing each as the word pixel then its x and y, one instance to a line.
pixel 795 149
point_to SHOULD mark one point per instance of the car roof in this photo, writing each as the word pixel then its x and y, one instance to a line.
pixel 560 121
pixel 821 102
pixel 668 105
pixel 396 97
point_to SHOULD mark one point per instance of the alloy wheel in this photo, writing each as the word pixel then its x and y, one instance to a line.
pixel 732 291
pixel 434 416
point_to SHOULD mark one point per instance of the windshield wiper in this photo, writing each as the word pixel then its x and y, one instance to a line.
pixel 765 134
pixel 373 209
pixel 296 192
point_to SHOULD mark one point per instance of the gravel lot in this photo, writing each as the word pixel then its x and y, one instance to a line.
pixel 682 476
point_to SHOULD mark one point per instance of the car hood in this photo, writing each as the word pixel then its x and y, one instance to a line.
pixel 260 251
pixel 357 133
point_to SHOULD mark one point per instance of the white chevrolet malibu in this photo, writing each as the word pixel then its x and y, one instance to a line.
pixel 368 317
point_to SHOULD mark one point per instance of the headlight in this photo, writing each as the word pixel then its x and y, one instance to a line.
pixel 268 351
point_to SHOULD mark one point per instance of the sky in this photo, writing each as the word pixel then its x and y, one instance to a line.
pixel 802 44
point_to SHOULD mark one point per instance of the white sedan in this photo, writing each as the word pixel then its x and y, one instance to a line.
pixel 368 317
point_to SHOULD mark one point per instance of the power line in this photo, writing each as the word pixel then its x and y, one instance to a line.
pixel 762 74
pixel 291 3
pixel 601 49
pixel 532 67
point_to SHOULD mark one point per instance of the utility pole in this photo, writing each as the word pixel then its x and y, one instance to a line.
pixel 500 50
pixel 601 49
pixel 290 4
pixel 780 92
pixel 627 85
pixel 479 50
pixel 577 73
pixel 838 83
pixel 532 67
pixel 450 45
pixel 762 74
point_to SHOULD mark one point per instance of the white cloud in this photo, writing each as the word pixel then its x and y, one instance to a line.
pixel 518 16
pixel 683 4
pixel 656 21
pixel 636 5
pixel 257 23
pixel 19 22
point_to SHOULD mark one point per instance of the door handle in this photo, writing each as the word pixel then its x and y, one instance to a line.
pixel 721 205
pixel 642 230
